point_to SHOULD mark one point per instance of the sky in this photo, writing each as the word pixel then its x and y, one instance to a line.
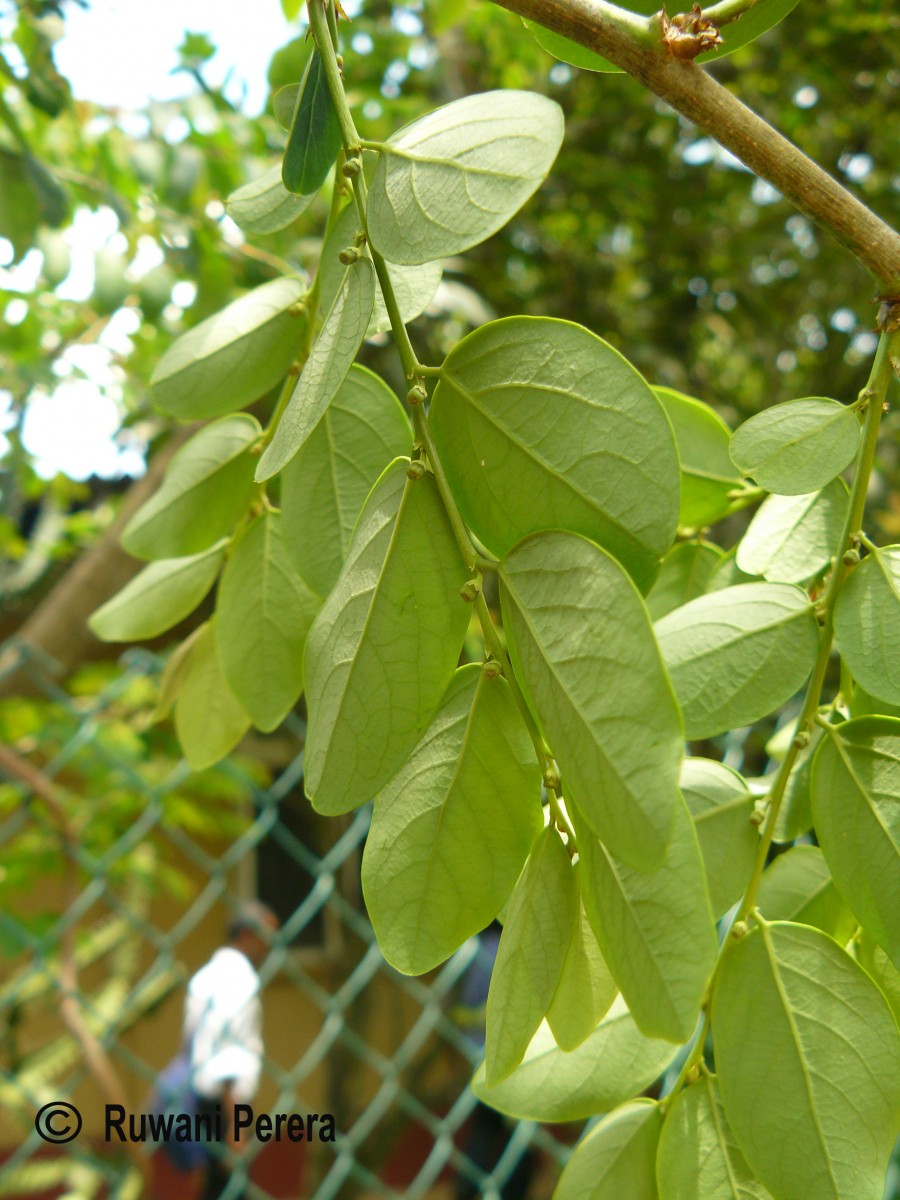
pixel 122 53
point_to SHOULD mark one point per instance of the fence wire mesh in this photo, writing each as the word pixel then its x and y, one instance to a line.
pixel 119 869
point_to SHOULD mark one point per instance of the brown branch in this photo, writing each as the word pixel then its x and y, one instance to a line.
pixel 691 91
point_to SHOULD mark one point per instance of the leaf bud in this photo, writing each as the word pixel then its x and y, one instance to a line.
pixel 491 668
pixel 298 309
pixel 470 590
pixel 349 255
pixel 693 1074
pixel 416 469
pixel 757 816
pixel 851 557
pixel 551 777
pixel 352 166
pixel 295 368
pixel 416 395
pixel 801 739
pixel 739 929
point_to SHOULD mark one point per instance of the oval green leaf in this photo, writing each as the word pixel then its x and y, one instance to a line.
pixel 536 931
pixel 206 489
pixel 325 484
pixel 707 472
pixel 326 368
pixel 455 176
pixel 414 287
pixel 586 989
pixel 159 597
pixel 384 647
pixel 315 136
pixel 453 828
pixel 856 809
pixel 808 1060
pixel 209 719
pixel 721 805
pixel 263 614
pixel 876 963
pixel 683 576
pixel 541 425
pixel 655 928
pixel 265 205
pixel 737 654
pixel 792 538
pixel 798 887
pixel 867 623
pixel 699 1158
pixel 617 1158
pixel 796 447
pixel 613 1064
pixel 234 356
pixel 573 617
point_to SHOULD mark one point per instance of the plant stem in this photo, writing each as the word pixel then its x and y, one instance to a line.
pixel 413 371
pixel 873 395
pixel 696 95
pixel 727 11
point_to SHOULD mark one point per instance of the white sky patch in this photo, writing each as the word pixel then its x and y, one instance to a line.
pixel 120 52
pixel 73 431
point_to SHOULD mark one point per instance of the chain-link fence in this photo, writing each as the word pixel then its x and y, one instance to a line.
pixel 119 869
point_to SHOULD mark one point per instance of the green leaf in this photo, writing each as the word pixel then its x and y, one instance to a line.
pixel 265 205
pixel 414 287
pixel 209 719
pixel 206 490
pixel 541 425
pixel 655 928
pixel 721 805
pixel 808 1058
pixel 453 828
pixel 326 483
pixel 573 617
pixel 879 967
pixel 234 356
pixel 683 576
pixel 798 446
pixel 159 597
pixel 173 675
pixel 263 614
pixel 384 647
pixel 792 538
pixel 614 1063
pixel 764 15
pixel 452 178
pixel 737 654
pixel 856 808
pixel 326 368
pixel 284 103
pixel 699 1158
pixel 586 989
pixel 726 573
pixel 795 814
pixel 617 1158
pixel 315 137
pixel 541 913
pixel 798 887
pixel 867 623
pixel 707 472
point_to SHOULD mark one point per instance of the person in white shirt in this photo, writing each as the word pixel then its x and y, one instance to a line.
pixel 223 1028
